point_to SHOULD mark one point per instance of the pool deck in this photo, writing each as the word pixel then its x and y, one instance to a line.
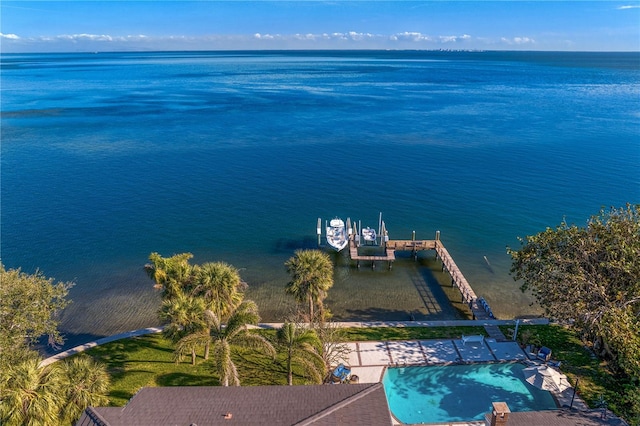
pixel 369 359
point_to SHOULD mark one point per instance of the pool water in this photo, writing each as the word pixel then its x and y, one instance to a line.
pixel 440 394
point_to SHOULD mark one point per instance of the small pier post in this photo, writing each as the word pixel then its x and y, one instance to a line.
pixel 415 250
pixel 384 237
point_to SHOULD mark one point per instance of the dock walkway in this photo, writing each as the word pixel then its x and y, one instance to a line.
pixel 479 310
pixel 388 256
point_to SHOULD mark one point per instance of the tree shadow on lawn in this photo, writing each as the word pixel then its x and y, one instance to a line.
pixel 185 379
pixel 255 368
pixel 119 398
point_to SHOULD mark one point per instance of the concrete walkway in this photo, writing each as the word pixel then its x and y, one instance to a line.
pixel 108 339
pixel 151 330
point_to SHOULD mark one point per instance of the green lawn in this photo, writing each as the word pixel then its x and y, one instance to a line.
pixel 148 361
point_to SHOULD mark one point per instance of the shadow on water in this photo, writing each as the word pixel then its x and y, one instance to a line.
pixel 374 314
pixel 71 340
pixel 290 245
pixel 435 300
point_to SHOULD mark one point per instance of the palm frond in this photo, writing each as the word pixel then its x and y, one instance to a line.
pixel 255 341
pixel 190 343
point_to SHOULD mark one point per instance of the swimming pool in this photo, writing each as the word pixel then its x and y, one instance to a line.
pixel 440 394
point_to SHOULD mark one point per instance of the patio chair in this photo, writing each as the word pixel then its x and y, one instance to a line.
pixel 544 354
pixel 340 374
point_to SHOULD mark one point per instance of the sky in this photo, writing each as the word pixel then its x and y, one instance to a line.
pixel 122 25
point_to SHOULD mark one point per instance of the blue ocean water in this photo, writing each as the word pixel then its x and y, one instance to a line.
pixel 234 155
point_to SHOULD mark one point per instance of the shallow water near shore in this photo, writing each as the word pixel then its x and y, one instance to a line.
pixel 233 156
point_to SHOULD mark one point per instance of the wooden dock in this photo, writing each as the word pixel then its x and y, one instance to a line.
pixel 460 282
pixel 389 255
pixel 411 245
pixel 384 250
pixel 448 265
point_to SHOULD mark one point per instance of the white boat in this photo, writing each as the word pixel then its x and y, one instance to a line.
pixel 369 234
pixel 337 234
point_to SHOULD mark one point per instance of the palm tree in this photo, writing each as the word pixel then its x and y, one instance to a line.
pixel 222 290
pixel 300 345
pixel 221 287
pixel 86 383
pixel 311 277
pixel 30 394
pixel 171 274
pixel 234 333
pixel 185 317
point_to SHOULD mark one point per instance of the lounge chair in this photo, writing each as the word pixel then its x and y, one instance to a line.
pixel 544 354
pixel 471 339
pixel 340 374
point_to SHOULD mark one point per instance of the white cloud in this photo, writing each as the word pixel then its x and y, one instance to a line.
pixel 308 37
pixel 85 37
pixel 359 36
pixel 454 39
pixel 73 38
pixel 628 7
pixel 518 40
pixel 409 36
pixel 336 40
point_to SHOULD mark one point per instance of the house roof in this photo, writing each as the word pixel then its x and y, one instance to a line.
pixel 564 417
pixel 353 404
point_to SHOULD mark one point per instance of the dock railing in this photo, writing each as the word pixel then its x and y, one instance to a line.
pixel 448 265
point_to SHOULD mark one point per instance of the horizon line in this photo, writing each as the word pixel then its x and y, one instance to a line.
pixel 320 50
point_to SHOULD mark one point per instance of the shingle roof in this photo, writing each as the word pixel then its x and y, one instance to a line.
pixel 563 417
pixel 353 404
